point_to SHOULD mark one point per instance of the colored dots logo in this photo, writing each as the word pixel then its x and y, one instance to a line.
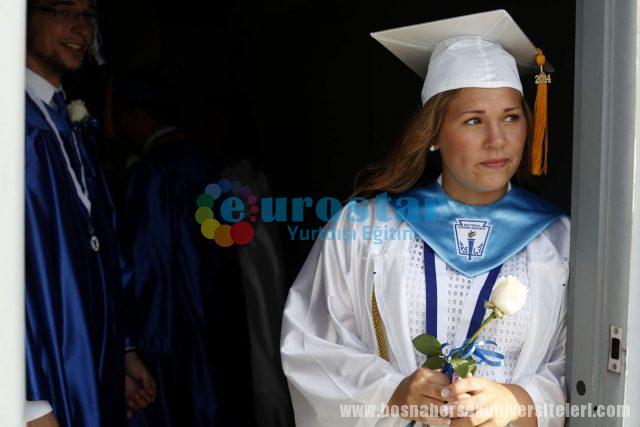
pixel 235 198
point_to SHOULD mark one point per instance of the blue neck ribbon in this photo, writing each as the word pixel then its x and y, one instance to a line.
pixel 464 351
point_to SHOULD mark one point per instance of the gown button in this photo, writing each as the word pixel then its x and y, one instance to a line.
pixel 90 229
pixel 95 244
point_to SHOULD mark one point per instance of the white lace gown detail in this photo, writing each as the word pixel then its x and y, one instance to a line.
pixel 509 333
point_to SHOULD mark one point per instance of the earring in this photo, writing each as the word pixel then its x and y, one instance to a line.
pixel 433 148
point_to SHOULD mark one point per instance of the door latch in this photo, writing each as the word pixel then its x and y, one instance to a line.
pixel 615 340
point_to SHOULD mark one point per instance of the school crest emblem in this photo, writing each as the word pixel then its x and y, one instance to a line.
pixel 471 237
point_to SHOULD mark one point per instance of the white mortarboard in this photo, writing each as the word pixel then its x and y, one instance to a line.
pixel 481 50
pixel 485 50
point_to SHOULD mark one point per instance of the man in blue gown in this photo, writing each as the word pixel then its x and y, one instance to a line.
pixel 75 340
pixel 188 298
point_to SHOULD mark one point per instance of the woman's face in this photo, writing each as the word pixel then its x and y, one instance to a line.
pixel 481 140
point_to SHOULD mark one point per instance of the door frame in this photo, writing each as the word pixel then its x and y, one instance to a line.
pixel 605 192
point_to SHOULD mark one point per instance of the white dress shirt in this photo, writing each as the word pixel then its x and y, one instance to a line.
pixel 42 88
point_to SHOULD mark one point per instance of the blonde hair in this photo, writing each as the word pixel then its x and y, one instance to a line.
pixel 406 161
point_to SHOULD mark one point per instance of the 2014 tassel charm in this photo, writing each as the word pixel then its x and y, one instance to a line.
pixel 540 140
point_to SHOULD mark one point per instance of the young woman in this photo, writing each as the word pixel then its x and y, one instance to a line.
pixel 357 303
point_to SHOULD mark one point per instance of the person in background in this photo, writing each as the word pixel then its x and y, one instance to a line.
pixel 232 140
pixel 75 331
pixel 187 297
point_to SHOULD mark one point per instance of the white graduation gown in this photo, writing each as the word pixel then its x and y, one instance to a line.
pixel 328 342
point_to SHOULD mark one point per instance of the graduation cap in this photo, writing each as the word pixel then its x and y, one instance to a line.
pixel 486 50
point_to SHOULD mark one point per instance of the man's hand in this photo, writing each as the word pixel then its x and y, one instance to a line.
pixel 48 420
pixel 133 395
pixel 139 386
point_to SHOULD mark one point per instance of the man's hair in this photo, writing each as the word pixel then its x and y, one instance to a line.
pixel 33 3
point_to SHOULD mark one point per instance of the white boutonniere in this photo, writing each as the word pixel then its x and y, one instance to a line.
pixel 78 112
pixel 80 116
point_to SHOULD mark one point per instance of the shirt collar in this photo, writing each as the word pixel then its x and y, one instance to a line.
pixel 41 87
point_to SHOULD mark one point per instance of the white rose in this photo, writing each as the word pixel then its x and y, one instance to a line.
pixel 509 295
pixel 77 111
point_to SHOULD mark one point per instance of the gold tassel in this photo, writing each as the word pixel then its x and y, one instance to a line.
pixel 379 328
pixel 540 142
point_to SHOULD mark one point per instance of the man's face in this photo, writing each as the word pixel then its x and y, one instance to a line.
pixel 58 41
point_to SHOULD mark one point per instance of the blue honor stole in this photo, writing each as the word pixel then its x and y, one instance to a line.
pixel 474 239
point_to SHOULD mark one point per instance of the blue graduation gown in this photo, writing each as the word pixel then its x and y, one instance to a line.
pixel 74 335
pixel 176 271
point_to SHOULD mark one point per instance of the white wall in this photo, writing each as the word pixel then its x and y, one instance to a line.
pixel 12 51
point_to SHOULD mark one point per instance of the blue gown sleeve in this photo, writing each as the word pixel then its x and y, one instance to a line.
pixel 148 241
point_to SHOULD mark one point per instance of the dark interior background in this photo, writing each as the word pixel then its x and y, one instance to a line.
pixel 316 98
